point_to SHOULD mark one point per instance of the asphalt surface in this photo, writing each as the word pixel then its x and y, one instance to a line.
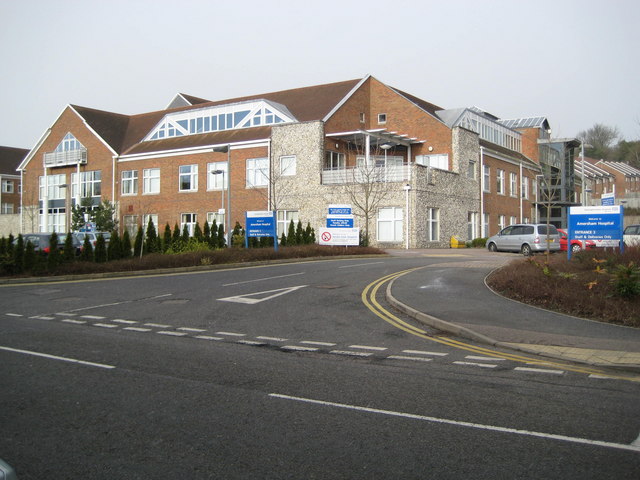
pixel 451 295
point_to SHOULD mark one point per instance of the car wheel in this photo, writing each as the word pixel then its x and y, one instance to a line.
pixel 575 248
pixel 492 247
pixel 525 250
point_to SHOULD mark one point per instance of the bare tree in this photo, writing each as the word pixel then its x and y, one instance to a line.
pixel 602 139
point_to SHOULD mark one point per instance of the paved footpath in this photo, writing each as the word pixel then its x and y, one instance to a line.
pixel 451 296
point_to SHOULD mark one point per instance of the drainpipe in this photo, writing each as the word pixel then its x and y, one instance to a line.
pixel 520 192
pixel 45 199
pixel 21 204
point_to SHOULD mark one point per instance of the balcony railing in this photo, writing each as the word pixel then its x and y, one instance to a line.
pixel 62 159
pixel 365 175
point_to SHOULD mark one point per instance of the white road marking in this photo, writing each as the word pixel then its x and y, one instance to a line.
pixel 76 322
pixel 92 317
pixel 137 329
pixel 420 352
pixel 297 348
pixel 584 441
pixel 352 354
pixel 105 325
pixel 127 322
pixel 13 315
pixel 54 357
pixel 473 364
pixel 207 337
pixel 232 334
pixel 321 344
pixel 66 314
pixel 489 359
pixel 262 279
pixel 404 357
pixel 157 325
pixel 365 347
pixel 636 442
pixel 187 329
pixel 42 317
pixel 539 370
pixel 173 334
pixel 248 300
pixel 273 339
pixel 251 342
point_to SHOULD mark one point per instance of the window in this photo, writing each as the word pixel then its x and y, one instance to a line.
pixel 485 225
pixel 525 187
pixel 188 178
pixel 288 165
pixel 334 160
pixel 188 219
pixel 390 224
pixel 486 178
pixel 471 169
pixel 513 220
pixel 217 180
pixel 56 219
pixel 145 222
pixel 513 184
pixel 151 180
pixel 440 160
pixel 130 182
pixel 55 189
pixel 501 222
pixel 7 208
pixel 130 224
pixel 284 217
pixel 217 217
pixel 382 118
pixel 90 184
pixel 472 225
pixel 7 186
pixel 69 144
pixel 500 181
pixel 362 117
pixel 433 223
pixel 257 172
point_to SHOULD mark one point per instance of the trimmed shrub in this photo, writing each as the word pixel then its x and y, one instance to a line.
pixel 100 254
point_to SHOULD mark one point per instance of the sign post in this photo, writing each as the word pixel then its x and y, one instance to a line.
pixel 603 225
pixel 340 229
pixel 261 224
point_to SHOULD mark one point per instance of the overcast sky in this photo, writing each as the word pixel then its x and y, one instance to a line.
pixel 574 62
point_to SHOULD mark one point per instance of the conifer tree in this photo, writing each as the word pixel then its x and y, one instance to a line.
pixel 197 233
pixel 29 257
pixel 126 245
pixel 166 239
pixel 175 239
pixel 222 241
pixel 206 233
pixel 3 245
pixel 185 233
pixel 100 255
pixel 69 252
pixel 10 240
pixel 138 243
pixel 87 250
pixel 213 235
pixel 18 254
pixel 53 257
pixel 299 234
pixel 291 234
pixel 151 238
pixel 283 240
pixel 114 251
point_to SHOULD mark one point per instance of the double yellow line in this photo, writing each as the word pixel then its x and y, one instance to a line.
pixel 369 298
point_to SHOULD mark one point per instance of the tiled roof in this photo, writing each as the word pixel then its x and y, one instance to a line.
pixel 426 106
pixel 10 158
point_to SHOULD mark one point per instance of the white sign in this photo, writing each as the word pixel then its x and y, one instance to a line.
pixel 340 236
pixel 259 213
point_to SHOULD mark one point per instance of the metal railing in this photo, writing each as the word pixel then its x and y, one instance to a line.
pixel 365 175
pixel 62 159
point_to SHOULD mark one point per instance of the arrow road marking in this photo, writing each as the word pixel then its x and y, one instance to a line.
pixel 248 300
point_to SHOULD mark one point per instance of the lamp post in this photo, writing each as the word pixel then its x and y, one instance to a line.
pixel 227 214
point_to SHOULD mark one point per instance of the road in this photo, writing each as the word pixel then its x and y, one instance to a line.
pixel 283 372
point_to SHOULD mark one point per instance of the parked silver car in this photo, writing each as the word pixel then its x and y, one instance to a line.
pixel 525 238
pixel 93 237
pixel 631 236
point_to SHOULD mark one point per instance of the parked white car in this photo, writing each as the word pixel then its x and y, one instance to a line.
pixel 631 236
pixel 526 239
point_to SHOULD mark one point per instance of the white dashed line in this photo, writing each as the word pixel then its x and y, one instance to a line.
pixel 13 315
pixel 157 325
pixel 92 317
pixel 173 334
pixel 473 364
pixel 539 370
pixel 42 317
pixel 232 334
pixel 365 347
pixel 415 359
pixel 321 344
pixel 105 325
pixel 187 329
pixel 137 329
pixel 208 337
pixel 55 357
pixel 421 352
pixel 126 322
pixel 351 354
pixel 251 342
pixel 75 322
pixel 487 359
pixel 65 314
pixel 273 339
pixel 297 348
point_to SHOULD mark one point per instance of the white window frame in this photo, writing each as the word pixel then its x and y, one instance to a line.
pixel 486 179
pixel 485 226
pixel 57 219
pixel 525 188
pixel 334 160
pixel 130 223
pixel 382 118
pixel 257 172
pixel 513 220
pixel 129 182
pixel 90 184
pixel 151 181
pixel 389 222
pixel 7 208
pixel 190 220
pixel 283 218
pixel 188 175
pixel 154 219
pixel 287 165
pixel 217 181
pixel 7 186
pixel 218 217
pixel 433 224
pixel 435 160
pixel 513 184
pixel 502 220
pixel 500 179
pixel 472 225
pixel 55 189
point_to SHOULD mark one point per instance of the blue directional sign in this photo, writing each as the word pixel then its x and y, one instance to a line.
pixel 340 210
pixel 339 222
pixel 603 225
pixel 261 224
